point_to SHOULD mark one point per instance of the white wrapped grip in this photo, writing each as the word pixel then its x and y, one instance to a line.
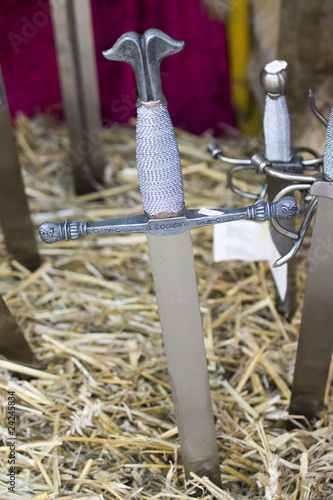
pixel 277 129
pixel 158 162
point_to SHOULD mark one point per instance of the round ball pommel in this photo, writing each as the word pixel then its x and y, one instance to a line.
pixel 51 232
pixel 274 78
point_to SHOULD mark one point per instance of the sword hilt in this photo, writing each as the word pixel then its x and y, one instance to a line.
pixel 158 160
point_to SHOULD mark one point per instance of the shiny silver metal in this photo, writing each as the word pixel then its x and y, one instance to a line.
pixel 51 232
pixel 246 194
pixel 308 182
pixel 175 283
pixel 278 171
pixel 73 30
pixel 274 78
pixel 311 210
pixel 217 153
pixel 293 235
pixel 315 111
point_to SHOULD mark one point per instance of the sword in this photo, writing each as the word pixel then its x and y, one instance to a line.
pixel 167 222
pixel 274 79
pixel 315 343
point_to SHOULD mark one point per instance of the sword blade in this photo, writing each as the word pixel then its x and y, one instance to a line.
pixel 15 219
pixel 315 344
pixel 13 344
pixel 285 305
pixel 174 276
pixel 172 260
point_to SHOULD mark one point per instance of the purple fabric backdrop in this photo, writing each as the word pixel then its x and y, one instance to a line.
pixel 195 81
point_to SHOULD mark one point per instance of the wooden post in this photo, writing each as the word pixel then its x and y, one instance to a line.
pixel 14 212
pixel 298 45
pixel 73 30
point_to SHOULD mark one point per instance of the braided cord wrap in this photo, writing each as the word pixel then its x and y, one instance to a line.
pixel 158 162
pixel 277 129
pixel 328 156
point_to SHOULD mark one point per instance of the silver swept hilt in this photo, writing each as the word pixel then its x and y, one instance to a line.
pixel 292 169
pixel 51 232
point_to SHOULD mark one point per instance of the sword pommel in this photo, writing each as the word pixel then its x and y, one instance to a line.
pixel 274 78
pixel 145 54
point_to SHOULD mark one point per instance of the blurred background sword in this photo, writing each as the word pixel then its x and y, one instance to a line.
pixel 315 343
pixel 274 79
pixel 18 232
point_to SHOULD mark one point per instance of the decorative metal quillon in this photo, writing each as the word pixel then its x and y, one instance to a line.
pixel 51 232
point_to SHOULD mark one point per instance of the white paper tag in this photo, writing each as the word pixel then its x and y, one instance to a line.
pixel 250 241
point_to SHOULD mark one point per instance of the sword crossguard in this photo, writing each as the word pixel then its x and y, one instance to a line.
pixel 51 232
